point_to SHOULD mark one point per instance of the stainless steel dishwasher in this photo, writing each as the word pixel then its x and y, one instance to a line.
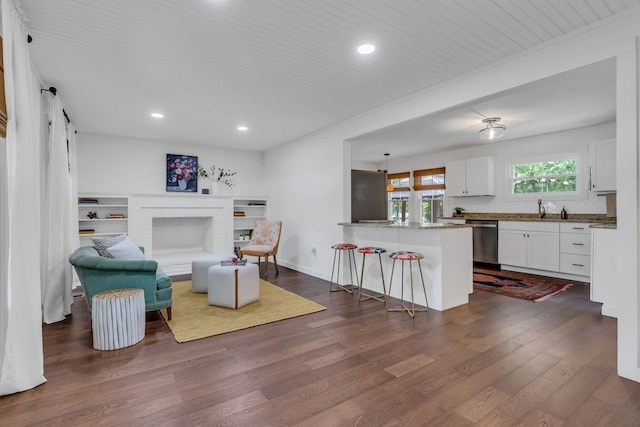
pixel 485 240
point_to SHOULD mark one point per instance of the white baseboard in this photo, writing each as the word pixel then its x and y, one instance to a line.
pixel 310 272
pixel 555 274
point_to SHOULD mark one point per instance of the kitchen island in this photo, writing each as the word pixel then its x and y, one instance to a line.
pixel 447 266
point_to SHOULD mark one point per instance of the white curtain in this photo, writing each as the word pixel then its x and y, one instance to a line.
pixel 21 357
pixel 59 231
pixel 74 241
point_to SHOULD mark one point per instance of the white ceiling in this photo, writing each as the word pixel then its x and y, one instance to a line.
pixel 286 68
pixel 578 98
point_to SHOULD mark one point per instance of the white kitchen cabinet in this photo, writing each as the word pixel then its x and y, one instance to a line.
pixel 529 244
pixel 602 165
pixel 471 177
pixel 575 249
pixel 604 269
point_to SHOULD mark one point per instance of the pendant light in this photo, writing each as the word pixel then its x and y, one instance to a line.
pixel 492 131
pixel 389 184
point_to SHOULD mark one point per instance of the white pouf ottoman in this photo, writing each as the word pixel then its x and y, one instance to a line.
pixel 200 271
pixel 233 286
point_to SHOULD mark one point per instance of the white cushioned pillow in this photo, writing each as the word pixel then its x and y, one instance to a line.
pixel 103 243
pixel 126 250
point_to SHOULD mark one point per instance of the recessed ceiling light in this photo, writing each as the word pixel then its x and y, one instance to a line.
pixel 242 128
pixel 157 115
pixel 366 49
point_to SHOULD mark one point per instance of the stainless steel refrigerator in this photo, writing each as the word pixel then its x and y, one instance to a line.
pixel 368 195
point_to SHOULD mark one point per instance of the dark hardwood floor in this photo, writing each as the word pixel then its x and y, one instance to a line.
pixel 496 362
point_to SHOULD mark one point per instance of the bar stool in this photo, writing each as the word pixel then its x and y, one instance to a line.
pixel 338 249
pixel 373 251
pixel 407 256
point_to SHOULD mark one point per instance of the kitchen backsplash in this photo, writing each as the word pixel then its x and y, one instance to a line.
pixel 595 205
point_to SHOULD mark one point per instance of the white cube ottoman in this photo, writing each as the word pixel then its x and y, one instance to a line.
pixel 200 271
pixel 233 286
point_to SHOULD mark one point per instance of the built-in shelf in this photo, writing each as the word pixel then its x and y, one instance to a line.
pixel 253 209
pixel 102 206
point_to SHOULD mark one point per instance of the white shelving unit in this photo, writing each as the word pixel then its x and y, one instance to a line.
pixel 253 210
pixel 102 225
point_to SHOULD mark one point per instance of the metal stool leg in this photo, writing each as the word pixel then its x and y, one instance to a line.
pixel 365 296
pixel 393 266
pixel 352 264
pixel 411 311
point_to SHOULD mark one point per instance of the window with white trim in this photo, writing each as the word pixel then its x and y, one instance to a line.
pixel 429 187
pixel 556 176
pixel 399 193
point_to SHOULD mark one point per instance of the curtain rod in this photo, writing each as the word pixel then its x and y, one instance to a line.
pixel 54 91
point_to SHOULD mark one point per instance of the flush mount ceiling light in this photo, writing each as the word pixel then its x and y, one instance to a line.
pixel 493 130
pixel 157 115
pixel 366 49
pixel 242 128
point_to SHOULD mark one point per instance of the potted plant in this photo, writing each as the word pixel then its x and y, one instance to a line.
pixel 458 211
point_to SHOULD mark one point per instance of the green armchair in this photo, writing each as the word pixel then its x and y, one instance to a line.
pixel 98 274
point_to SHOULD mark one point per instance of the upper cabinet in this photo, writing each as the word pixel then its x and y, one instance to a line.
pixel 471 177
pixel 602 165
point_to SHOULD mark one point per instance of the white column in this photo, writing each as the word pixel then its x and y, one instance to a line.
pixel 628 210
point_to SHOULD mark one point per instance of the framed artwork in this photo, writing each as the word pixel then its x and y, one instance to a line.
pixel 182 173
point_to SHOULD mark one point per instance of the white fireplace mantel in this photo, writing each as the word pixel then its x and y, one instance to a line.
pixel 218 235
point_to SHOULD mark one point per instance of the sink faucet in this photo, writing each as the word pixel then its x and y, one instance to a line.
pixel 541 210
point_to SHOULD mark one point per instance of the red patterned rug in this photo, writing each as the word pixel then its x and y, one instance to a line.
pixel 518 285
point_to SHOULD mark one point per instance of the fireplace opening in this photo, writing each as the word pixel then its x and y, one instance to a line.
pixel 177 241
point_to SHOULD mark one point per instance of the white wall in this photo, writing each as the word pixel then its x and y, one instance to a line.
pixel 122 165
pixel 307 190
pixel 570 141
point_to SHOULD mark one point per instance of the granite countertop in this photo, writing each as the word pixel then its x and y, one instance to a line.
pixel 592 218
pixel 610 226
pixel 406 226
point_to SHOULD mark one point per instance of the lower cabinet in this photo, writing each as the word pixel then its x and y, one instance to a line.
pixel 563 248
pixel 575 248
pixel 529 244
pixel 604 270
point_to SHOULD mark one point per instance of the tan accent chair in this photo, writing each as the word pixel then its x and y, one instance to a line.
pixel 264 242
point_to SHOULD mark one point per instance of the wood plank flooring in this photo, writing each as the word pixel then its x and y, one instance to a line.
pixel 496 362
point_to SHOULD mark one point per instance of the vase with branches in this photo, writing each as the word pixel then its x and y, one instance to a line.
pixel 217 176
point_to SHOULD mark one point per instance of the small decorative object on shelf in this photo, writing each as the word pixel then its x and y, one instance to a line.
pixel 88 201
pixel 92 215
pixel 216 176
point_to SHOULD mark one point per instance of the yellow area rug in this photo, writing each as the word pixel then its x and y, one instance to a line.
pixel 194 318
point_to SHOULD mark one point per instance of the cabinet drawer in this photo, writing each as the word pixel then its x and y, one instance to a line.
pixel 579 244
pixel 551 227
pixel 575 227
pixel 575 264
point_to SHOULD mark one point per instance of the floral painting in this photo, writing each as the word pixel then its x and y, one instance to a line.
pixel 182 173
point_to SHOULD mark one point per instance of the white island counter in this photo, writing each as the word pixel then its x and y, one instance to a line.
pixel 447 265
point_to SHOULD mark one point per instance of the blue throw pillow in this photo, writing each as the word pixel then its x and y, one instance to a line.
pixel 126 250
